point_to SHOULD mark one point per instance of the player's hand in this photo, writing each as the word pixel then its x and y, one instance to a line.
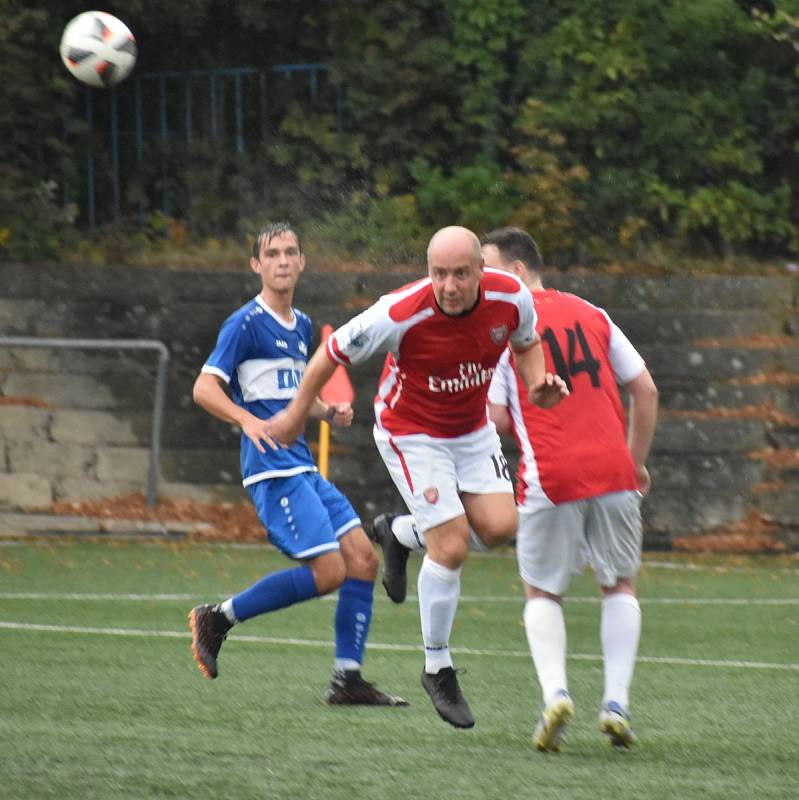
pixel 285 427
pixel 548 392
pixel 257 431
pixel 339 415
pixel 644 480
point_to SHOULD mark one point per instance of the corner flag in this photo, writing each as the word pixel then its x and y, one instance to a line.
pixel 337 390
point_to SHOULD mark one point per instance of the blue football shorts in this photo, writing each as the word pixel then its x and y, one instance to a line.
pixel 304 515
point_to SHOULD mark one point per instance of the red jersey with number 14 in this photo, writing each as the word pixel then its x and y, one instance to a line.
pixel 578 448
pixel 436 376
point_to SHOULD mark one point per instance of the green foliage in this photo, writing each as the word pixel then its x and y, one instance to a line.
pixel 320 162
pixel 548 188
pixel 379 230
pixel 486 35
pixel 476 195
pixel 606 128
pixel 35 226
pixel 33 157
pixel 734 212
pixel 684 114
pixel 403 88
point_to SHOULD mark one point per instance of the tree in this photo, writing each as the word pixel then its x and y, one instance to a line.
pixel 35 121
pixel 685 114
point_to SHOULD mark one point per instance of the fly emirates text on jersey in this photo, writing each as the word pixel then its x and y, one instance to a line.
pixel 470 374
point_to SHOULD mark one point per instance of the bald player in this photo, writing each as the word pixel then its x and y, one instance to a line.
pixel 443 336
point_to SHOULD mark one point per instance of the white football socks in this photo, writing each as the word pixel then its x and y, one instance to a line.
pixel 227 609
pixel 620 630
pixel 342 665
pixel 546 635
pixel 439 589
pixel 406 533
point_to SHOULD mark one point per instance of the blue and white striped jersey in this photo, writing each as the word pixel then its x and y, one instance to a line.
pixel 263 358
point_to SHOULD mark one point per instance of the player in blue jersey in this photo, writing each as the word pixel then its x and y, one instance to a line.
pixel 260 355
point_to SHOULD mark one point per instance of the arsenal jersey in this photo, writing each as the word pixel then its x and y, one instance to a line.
pixel 578 448
pixel 436 375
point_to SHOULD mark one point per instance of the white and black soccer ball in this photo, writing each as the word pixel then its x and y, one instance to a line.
pixel 98 49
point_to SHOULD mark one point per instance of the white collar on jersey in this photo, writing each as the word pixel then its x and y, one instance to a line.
pixel 289 326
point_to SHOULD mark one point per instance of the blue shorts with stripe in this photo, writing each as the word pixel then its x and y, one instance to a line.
pixel 305 514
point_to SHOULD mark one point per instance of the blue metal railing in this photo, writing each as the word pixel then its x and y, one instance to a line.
pixel 216 117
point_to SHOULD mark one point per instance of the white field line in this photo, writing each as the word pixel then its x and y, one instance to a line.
pixel 502 553
pixel 406 648
pixel 154 598
pixel 720 569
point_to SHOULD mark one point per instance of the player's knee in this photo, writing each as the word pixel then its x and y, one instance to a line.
pixel 497 534
pixel 493 539
pixel 329 572
pixel 451 552
pixel 370 565
pixel 359 555
pixel 495 523
pixel 363 564
pixel 622 586
pixel 330 579
pixel 534 593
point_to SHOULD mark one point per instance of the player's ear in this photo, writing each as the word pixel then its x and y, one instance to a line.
pixel 255 265
pixel 302 261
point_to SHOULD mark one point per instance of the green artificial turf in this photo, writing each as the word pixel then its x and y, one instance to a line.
pixel 100 697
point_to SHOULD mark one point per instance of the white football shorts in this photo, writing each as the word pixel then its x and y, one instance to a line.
pixel 431 473
pixel 555 543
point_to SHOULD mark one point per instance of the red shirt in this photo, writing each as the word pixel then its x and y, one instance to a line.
pixel 578 448
pixel 436 375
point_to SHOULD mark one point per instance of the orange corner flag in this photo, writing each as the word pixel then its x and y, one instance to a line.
pixel 338 389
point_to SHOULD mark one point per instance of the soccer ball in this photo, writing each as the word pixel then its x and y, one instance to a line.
pixel 98 49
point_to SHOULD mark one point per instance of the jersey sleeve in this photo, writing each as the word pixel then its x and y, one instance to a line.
pixel 372 331
pixel 231 348
pixel 499 388
pixel 525 334
pixel 625 360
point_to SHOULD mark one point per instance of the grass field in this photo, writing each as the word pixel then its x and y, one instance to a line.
pixel 99 696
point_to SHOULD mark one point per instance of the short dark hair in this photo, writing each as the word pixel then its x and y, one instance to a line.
pixel 515 245
pixel 268 232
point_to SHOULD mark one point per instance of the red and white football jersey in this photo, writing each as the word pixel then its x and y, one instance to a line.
pixel 436 375
pixel 578 448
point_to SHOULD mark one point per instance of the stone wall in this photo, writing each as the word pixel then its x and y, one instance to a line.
pixel 76 425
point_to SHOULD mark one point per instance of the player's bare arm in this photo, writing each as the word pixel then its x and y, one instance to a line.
pixel 500 416
pixel 642 418
pixel 339 415
pixel 287 425
pixel 543 388
pixel 209 394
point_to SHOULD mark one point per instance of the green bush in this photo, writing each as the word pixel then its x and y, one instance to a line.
pixel 378 230
pixel 35 225
pixel 477 195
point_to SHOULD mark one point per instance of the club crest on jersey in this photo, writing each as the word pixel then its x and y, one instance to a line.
pixel 499 334
pixel 431 495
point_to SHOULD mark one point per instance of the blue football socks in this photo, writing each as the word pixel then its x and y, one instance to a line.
pixel 278 590
pixel 353 615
